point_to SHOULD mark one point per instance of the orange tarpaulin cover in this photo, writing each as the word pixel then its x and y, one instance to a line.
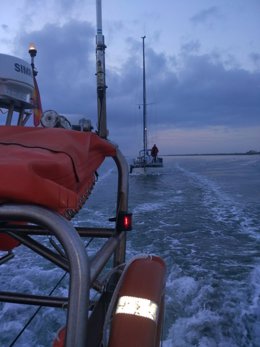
pixel 53 167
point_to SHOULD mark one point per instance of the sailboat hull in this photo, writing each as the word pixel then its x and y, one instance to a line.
pixel 140 166
pixel 145 171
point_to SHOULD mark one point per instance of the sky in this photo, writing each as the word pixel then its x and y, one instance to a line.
pixel 202 68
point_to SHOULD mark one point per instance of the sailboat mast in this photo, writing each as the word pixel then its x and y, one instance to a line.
pixel 100 73
pixel 144 103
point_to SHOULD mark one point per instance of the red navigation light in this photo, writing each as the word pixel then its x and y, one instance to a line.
pixel 125 221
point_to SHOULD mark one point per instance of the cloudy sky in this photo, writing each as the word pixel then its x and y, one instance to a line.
pixel 202 67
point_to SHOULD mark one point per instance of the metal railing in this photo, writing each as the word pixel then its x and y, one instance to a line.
pixel 83 271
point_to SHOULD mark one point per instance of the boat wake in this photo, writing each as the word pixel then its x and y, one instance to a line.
pixel 222 207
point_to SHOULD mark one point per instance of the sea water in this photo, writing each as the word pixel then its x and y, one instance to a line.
pixel 201 214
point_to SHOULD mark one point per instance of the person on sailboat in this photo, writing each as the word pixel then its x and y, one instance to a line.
pixel 154 152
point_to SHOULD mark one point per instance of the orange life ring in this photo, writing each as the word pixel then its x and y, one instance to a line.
pixel 60 338
pixel 139 313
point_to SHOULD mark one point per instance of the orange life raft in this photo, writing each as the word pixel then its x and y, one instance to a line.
pixel 51 167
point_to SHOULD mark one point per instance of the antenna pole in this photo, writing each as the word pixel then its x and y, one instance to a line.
pixel 144 103
pixel 100 73
pixel 33 51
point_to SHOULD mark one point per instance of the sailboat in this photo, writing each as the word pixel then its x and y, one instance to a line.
pixel 147 160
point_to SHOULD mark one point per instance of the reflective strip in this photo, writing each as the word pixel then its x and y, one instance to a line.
pixel 137 307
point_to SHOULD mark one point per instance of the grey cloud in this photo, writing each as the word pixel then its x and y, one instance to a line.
pixel 201 92
pixel 192 46
pixel 197 90
pixel 255 57
pixel 204 15
pixel 66 65
pixel 208 94
pixel 4 27
pixel 60 7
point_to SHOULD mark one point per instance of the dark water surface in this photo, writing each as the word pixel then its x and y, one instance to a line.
pixel 202 216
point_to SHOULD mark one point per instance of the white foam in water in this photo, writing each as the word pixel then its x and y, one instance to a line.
pixel 223 207
pixel 13 317
pixel 95 218
pixel 105 175
pixel 212 297
pixel 197 326
pixel 251 311
pixel 148 207
pixel 255 285
pixel 187 331
pixel 222 307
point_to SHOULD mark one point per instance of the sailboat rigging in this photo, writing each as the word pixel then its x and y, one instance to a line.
pixel 147 158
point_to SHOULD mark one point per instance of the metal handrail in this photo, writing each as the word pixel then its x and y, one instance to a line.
pixel 79 285
pixel 122 202
pixel 83 272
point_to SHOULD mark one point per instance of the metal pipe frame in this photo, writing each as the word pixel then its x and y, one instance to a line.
pixel 122 166
pixel 79 285
pixel 35 230
pixel 41 250
pixel 6 257
pixel 10 114
pixel 20 118
pixel 97 263
pixel 41 300
pixel 122 203
pixel 103 255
